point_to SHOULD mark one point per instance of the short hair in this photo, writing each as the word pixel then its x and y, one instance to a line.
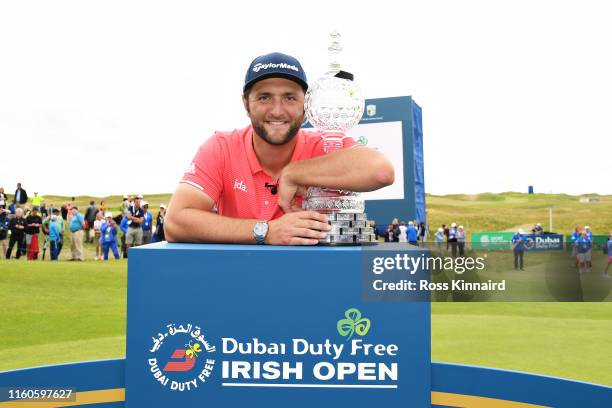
pixel 74 207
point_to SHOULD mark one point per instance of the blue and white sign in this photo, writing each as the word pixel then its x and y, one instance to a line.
pixel 241 325
pixel 546 242
pixel 394 126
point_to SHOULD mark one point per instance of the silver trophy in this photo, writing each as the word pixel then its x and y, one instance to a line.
pixel 333 105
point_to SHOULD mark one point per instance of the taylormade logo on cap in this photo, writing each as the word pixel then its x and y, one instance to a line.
pixel 273 65
pixel 282 65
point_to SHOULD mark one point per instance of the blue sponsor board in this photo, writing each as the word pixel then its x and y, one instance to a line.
pixel 245 325
pixel 100 384
pixel 546 242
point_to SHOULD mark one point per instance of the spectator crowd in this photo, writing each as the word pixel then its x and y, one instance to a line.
pixel 29 226
pixel 32 227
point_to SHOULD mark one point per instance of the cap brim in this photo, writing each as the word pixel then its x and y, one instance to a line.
pixel 297 80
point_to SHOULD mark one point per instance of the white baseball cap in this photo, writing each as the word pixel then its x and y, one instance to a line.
pixel 453 225
pixel 162 206
pixel 108 214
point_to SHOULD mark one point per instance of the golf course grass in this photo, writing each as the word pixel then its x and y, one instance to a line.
pixel 73 311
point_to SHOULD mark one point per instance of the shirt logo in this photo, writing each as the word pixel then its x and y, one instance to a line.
pixel 239 185
pixel 191 169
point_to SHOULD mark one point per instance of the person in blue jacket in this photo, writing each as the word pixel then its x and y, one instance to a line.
pixel 412 233
pixel 108 236
pixel 54 237
pixel 518 243
pixel 575 235
pixel 147 224
pixel 583 247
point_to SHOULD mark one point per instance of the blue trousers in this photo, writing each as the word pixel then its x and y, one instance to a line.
pixel 54 250
pixel 110 245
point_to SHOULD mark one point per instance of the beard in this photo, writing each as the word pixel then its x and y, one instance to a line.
pixel 260 130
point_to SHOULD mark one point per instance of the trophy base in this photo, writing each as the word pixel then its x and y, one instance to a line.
pixel 329 201
pixel 349 229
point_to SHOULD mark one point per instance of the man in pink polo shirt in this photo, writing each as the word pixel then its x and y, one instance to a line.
pixel 245 186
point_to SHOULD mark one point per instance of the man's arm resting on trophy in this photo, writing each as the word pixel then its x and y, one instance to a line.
pixel 190 219
pixel 354 169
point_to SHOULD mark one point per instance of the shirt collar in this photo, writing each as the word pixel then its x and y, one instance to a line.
pixel 252 157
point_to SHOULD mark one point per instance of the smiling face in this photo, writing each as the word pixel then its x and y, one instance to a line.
pixel 276 109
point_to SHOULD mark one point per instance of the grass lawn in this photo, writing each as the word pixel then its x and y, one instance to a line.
pixel 61 312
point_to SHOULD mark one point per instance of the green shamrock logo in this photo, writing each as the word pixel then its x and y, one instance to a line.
pixel 353 323
pixel 362 140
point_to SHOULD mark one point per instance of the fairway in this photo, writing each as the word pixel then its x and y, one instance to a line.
pixel 62 312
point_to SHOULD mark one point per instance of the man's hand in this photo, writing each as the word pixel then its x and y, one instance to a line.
pixel 288 193
pixel 298 228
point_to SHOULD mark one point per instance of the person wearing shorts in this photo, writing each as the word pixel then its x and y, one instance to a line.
pixel 583 249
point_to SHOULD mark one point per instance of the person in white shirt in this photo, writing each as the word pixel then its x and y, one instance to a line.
pixel 96 227
pixel 402 235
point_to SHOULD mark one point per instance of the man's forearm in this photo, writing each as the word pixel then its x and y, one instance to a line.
pixel 356 169
pixel 191 225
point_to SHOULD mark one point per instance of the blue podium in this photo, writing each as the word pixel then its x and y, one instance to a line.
pixel 240 325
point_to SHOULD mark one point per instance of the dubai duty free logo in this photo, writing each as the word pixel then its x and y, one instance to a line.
pixel 181 357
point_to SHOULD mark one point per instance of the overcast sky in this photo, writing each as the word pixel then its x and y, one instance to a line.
pixel 115 97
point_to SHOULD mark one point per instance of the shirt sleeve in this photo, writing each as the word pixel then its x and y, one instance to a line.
pixel 205 171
